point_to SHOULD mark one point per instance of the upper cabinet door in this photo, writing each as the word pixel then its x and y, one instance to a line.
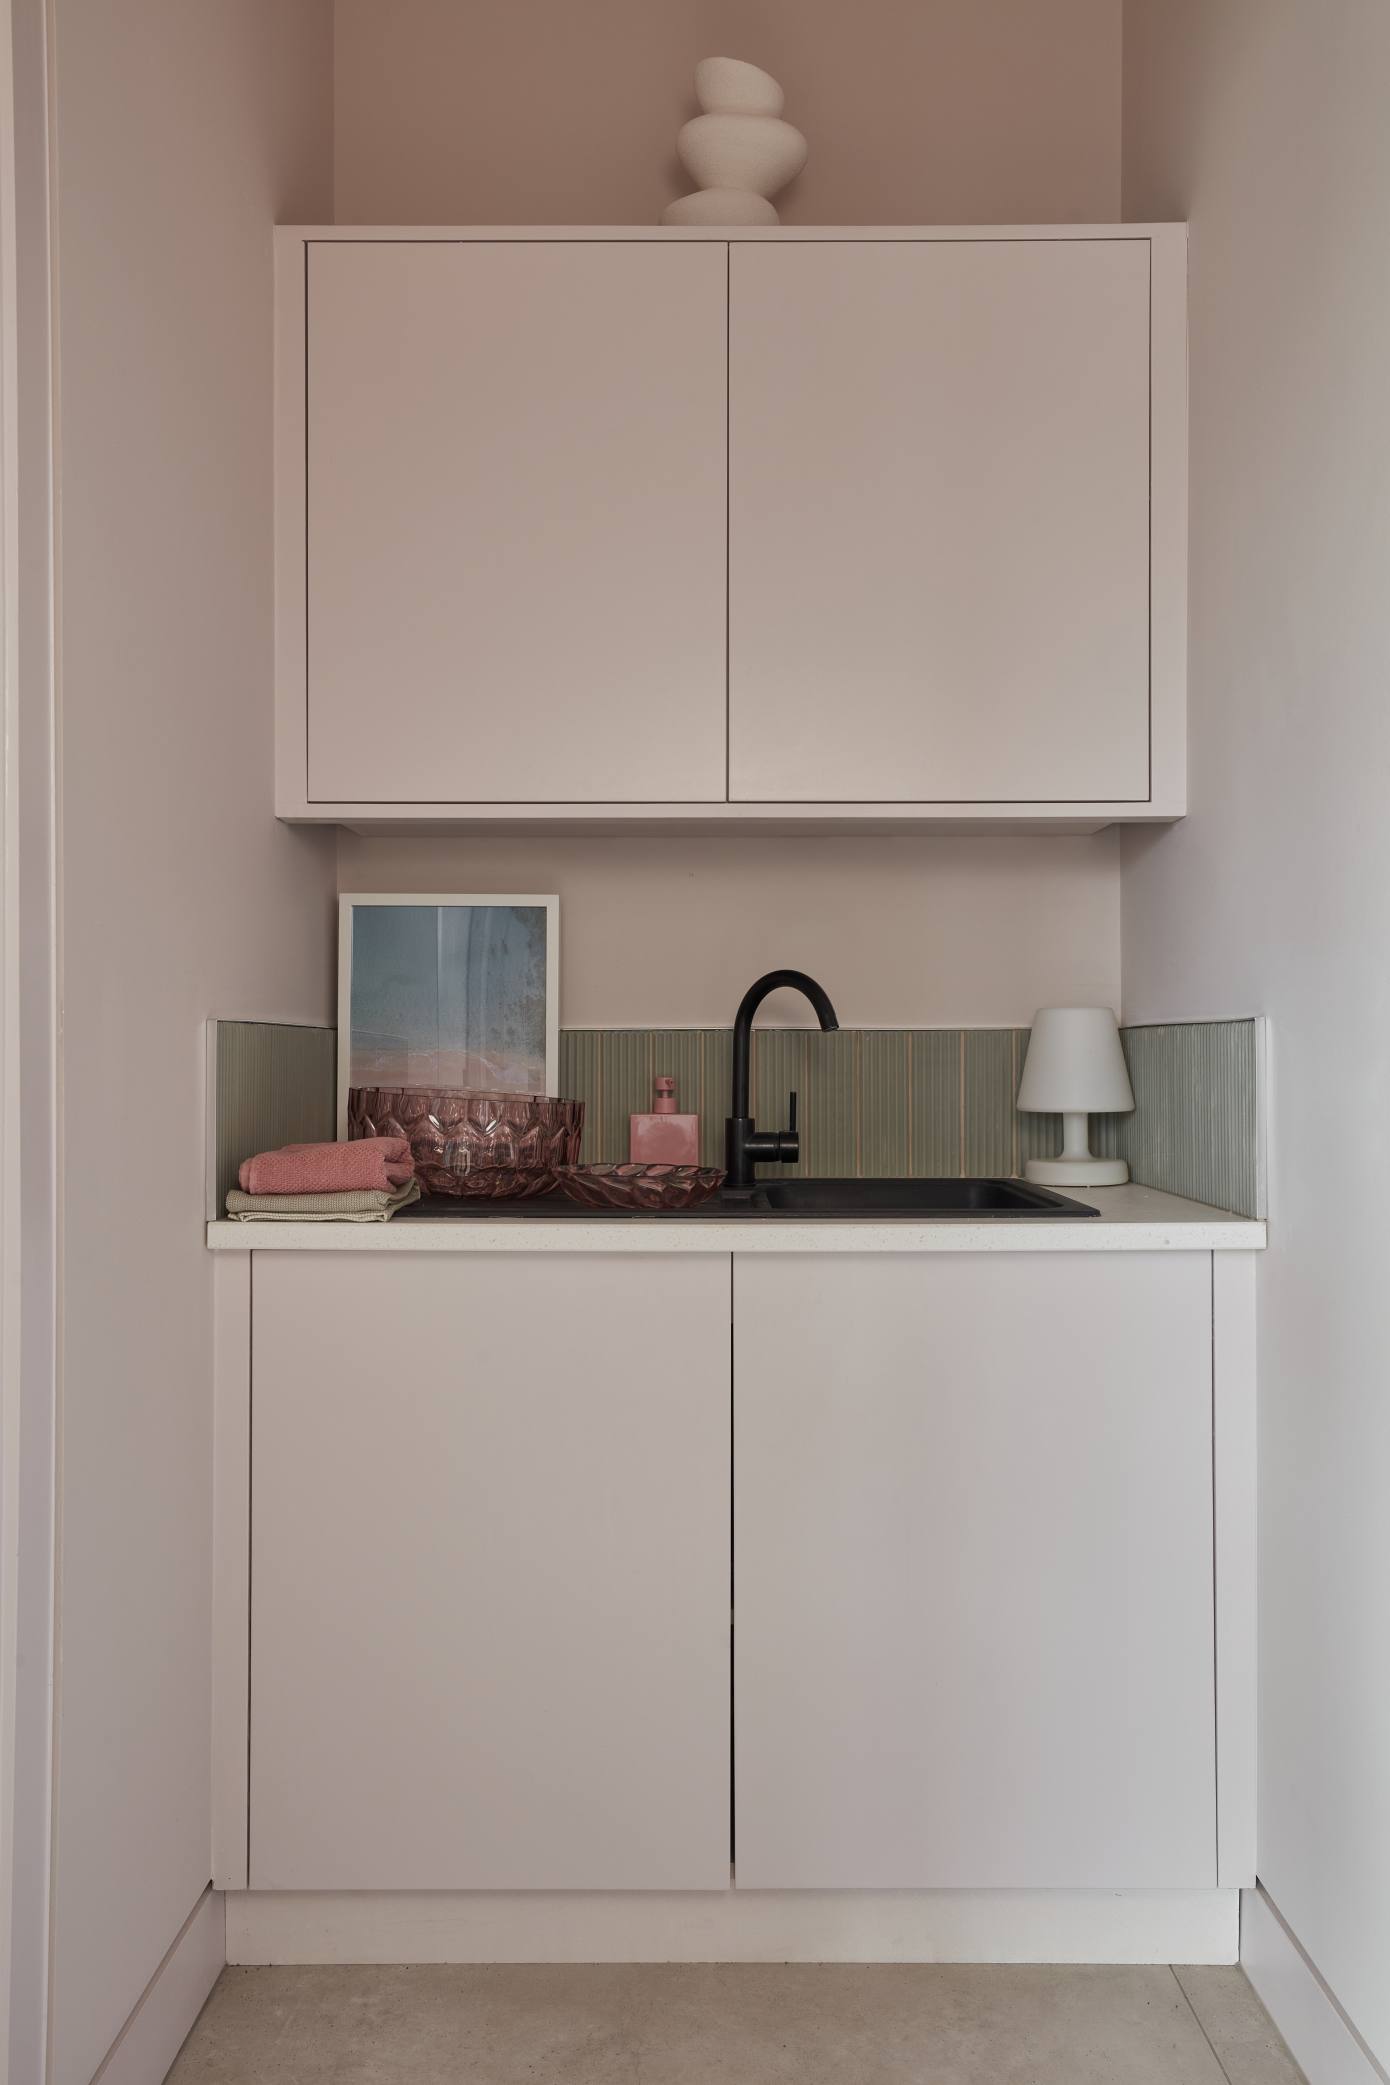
pixel 939 521
pixel 515 522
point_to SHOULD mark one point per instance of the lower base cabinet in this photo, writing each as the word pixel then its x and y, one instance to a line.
pixel 973 1572
pixel 972 1567
pixel 489 1572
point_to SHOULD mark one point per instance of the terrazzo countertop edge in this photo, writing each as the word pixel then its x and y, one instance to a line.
pixel 1131 1219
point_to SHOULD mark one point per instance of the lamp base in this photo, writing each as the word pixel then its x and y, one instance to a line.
pixel 1077 1172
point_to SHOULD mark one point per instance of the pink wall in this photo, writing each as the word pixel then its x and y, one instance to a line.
pixel 182 132
pixel 901 932
pixel 917 111
pixel 1264 122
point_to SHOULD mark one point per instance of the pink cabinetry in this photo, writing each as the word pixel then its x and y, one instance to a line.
pixel 780 529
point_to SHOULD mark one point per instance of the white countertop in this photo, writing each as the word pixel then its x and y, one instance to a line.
pixel 1131 1219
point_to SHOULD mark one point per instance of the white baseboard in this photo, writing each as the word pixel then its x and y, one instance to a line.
pixel 1325 2046
pixel 737 1926
pixel 175 1995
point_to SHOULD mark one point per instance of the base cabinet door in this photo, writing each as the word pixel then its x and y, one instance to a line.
pixel 973 1572
pixel 490 1572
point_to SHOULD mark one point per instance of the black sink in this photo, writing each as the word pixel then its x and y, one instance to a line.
pixel 791 1198
pixel 912 1198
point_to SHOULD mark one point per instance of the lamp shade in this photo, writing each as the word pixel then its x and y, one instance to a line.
pixel 1075 1064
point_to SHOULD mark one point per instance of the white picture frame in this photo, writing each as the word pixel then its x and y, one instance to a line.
pixel 349 901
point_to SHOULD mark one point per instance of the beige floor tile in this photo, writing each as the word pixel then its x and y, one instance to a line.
pixel 1249 2046
pixel 699 2025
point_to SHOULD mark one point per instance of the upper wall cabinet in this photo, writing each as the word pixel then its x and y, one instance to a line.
pixel 785 529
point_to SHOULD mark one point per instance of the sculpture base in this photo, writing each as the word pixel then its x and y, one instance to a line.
pixel 721 206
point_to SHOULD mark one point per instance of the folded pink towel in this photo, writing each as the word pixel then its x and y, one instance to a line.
pixel 325 1169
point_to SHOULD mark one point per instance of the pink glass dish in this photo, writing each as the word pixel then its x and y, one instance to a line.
pixel 477 1145
pixel 641 1187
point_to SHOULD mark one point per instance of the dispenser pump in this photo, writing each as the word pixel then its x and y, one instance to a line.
pixel 664 1137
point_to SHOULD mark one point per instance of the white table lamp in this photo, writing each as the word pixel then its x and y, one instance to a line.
pixel 1075 1068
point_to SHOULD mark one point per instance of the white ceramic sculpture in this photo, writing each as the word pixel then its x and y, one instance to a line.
pixel 739 149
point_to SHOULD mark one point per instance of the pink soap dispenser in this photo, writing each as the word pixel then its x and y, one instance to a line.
pixel 664 1138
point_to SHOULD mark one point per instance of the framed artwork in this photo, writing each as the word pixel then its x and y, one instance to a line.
pixel 449 993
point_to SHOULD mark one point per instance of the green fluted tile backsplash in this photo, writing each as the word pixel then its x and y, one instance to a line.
pixel 273 1084
pixel 1198 1122
pixel 873 1102
pixel 924 1102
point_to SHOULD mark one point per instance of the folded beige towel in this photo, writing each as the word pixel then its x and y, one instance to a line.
pixel 350 1205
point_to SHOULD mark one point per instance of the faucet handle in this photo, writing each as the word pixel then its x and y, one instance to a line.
pixel 787 1141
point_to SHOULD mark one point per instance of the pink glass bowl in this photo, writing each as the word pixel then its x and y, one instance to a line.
pixel 641 1187
pixel 493 1145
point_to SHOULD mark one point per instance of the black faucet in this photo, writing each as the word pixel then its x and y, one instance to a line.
pixel 744 1145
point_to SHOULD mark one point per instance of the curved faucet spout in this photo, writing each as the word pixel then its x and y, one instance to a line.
pixel 744 1146
pixel 780 980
